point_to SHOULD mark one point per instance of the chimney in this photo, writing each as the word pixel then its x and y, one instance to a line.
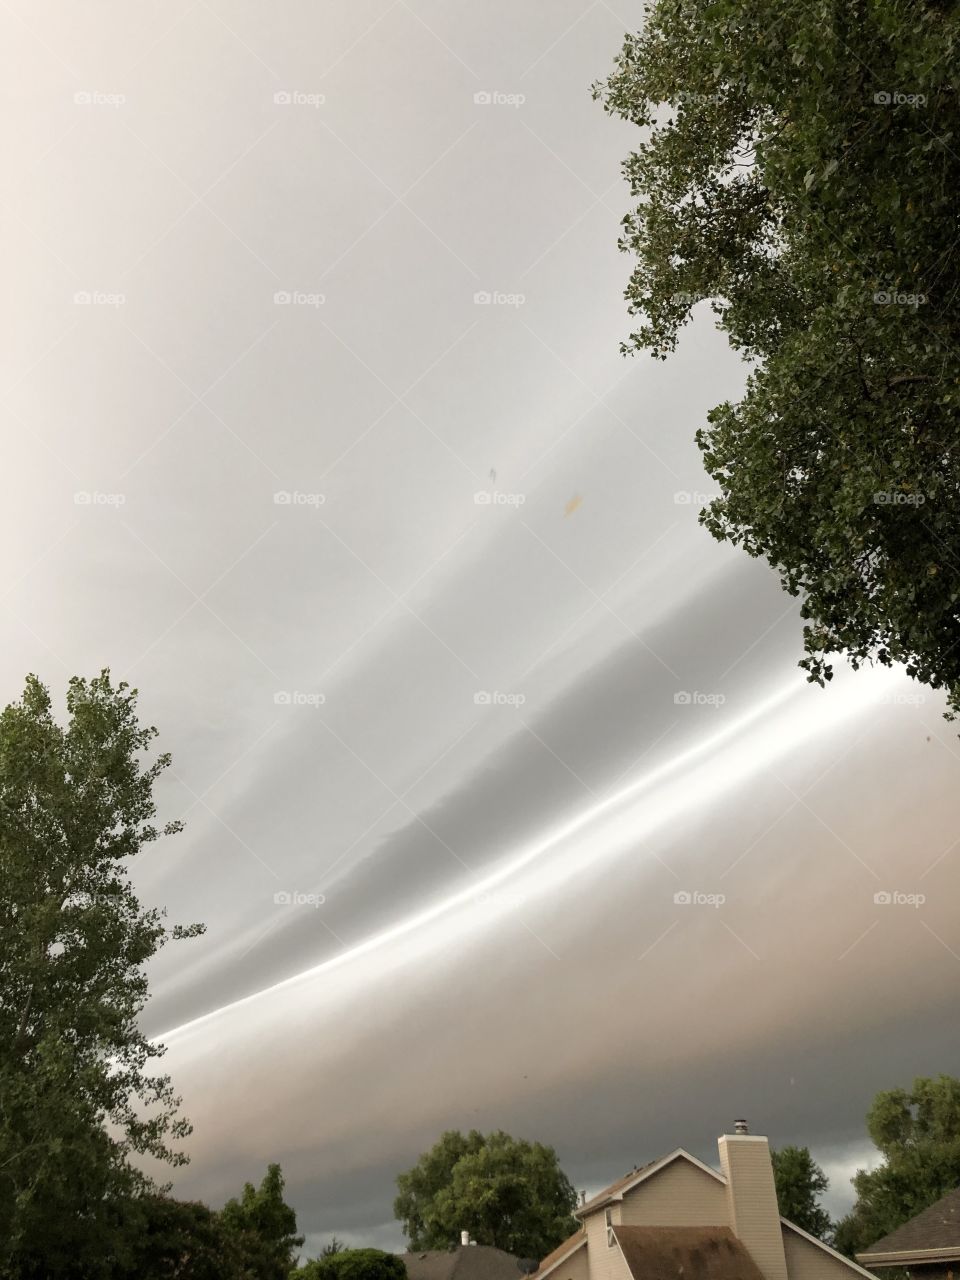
pixel 583 1197
pixel 752 1199
pixel 464 1238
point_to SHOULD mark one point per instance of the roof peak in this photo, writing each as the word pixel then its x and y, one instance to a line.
pixel 616 1190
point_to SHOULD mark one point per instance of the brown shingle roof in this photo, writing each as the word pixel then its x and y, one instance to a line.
pixel 466 1262
pixel 561 1251
pixel 672 1253
pixel 935 1228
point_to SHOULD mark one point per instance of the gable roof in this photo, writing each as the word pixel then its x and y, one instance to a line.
pixel 561 1253
pixel 933 1231
pixel 466 1262
pixel 610 1193
pixel 669 1253
pixel 617 1190
pixel 834 1253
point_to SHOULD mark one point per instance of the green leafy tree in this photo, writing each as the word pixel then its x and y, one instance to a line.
pixel 419 1187
pixel 190 1241
pixel 918 1134
pixel 800 1183
pixel 505 1191
pixel 179 1239
pixel 333 1245
pixel 354 1264
pixel 798 168
pixel 264 1227
pixel 78 1098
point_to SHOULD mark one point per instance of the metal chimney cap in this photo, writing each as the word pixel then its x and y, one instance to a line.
pixel 741 1126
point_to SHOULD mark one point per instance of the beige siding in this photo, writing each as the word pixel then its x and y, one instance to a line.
pixel 752 1201
pixel 576 1267
pixel 806 1261
pixel 605 1263
pixel 679 1195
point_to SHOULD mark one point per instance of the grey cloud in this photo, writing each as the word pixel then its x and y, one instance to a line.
pixel 578 1003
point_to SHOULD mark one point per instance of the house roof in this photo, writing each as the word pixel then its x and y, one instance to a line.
pixel 669 1253
pixel 825 1248
pixel 562 1251
pixel 617 1189
pixel 934 1231
pixel 466 1262
pixel 609 1193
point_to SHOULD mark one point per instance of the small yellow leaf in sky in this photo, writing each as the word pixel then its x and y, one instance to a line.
pixel 572 505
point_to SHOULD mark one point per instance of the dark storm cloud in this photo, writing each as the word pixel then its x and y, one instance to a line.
pixel 499 943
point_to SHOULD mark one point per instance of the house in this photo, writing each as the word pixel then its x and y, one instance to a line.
pixel 927 1247
pixel 678 1219
pixel 469 1261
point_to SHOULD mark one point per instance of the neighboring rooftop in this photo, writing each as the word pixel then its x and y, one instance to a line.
pixel 669 1253
pixel 933 1231
pixel 466 1262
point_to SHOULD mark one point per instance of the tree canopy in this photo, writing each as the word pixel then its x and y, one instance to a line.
pixel 264 1226
pixel 505 1191
pixel 800 1183
pixel 161 1238
pixel 797 167
pixel 77 1096
pixel 917 1131
pixel 168 1238
pixel 354 1264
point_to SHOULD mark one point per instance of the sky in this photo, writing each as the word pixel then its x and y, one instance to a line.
pixel 506 804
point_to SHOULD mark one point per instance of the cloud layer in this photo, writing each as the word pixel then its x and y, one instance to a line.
pixel 507 805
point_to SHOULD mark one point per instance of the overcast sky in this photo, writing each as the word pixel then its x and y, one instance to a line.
pixel 317 430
